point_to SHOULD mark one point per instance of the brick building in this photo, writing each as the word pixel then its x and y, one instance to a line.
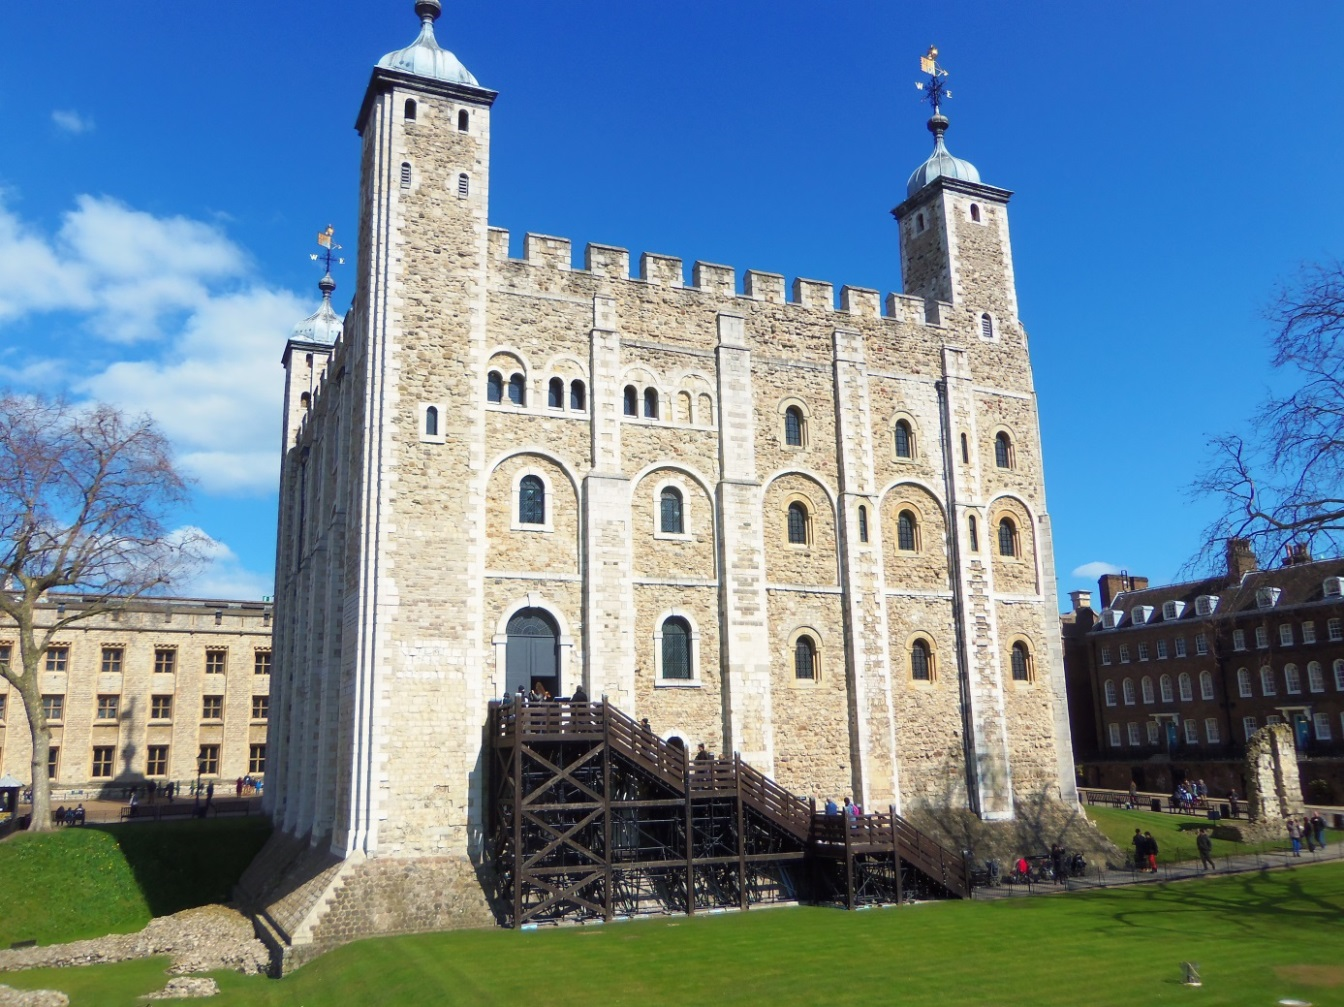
pixel 814 536
pixel 1173 680
pixel 145 692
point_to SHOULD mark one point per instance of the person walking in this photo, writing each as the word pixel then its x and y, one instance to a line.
pixel 1150 848
pixel 1140 850
pixel 1317 823
pixel 1295 834
pixel 1204 842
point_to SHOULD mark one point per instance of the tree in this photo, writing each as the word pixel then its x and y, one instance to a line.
pixel 83 496
pixel 1285 485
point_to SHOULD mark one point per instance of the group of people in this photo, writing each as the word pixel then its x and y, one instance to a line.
pixel 246 786
pixel 69 816
pixel 1189 797
pixel 1311 828
pixel 1145 851
pixel 540 694
pixel 850 809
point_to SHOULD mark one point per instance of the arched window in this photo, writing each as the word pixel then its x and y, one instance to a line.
pixel 1244 683
pixel 797 524
pixel 1146 690
pixel 555 394
pixel 1167 695
pixel 1127 686
pixel 463 121
pixel 1268 686
pixel 432 421
pixel 1339 676
pixel 905 441
pixel 405 174
pixel 1315 680
pixel 921 662
pixel 793 426
pixel 463 185
pixel 1007 538
pixel 1292 679
pixel 531 500
pixel 965 450
pixel 986 326
pixel 1205 685
pixel 863 523
pixel 1022 663
pixel 651 403
pixel 670 511
pixel 805 659
pixel 975 212
pixel 1184 684
pixel 494 387
pixel 631 401
pixel 677 649
pixel 1110 692
pixel 410 110
pixel 906 531
pixel 1003 450
pixel 517 390
pixel 975 535
pixel 578 396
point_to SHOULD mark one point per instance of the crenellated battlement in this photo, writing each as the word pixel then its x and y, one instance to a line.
pixel 611 262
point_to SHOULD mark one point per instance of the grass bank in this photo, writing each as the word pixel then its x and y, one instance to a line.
pixel 99 879
pixel 1175 834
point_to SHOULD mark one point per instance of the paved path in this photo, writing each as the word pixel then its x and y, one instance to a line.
pixel 1104 877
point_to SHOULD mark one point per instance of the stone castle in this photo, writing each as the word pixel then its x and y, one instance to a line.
pixel 811 534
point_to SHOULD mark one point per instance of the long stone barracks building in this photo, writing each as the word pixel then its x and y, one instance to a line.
pixel 154 691
pixel 815 536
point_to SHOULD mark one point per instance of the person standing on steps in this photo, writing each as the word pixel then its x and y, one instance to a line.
pixel 1205 844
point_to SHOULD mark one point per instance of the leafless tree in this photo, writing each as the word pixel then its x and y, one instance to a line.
pixel 1284 484
pixel 84 492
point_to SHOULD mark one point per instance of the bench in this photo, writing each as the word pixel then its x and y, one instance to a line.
pixel 237 806
pixel 138 811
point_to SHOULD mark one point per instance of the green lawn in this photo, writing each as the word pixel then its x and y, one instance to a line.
pixel 1175 834
pixel 1258 938
pixel 86 882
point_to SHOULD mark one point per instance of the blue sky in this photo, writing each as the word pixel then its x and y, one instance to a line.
pixel 164 170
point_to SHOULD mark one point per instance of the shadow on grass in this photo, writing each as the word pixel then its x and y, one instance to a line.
pixel 179 865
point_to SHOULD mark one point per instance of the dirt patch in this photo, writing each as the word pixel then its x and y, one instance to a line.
pixel 1312 975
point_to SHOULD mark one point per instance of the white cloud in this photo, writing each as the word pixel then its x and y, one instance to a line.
pixel 69 121
pixel 221 575
pixel 1093 570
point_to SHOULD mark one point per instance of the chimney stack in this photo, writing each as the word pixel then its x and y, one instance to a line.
pixel 1240 559
pixel 1111 584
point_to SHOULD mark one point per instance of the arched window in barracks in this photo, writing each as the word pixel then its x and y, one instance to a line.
pixel 1021 660
pixel 651 403
pixel 405 174
pixel 531 500
pixel 863 523
pixel 905 441
pixel 921 662
pixel 1184 685
pixel 1146 687
pixel 793 426
pixel 1003 451
pixel 1206 685
pixel 1167 695
pixel 1128 688
pixel 494 387
pixel 463 185
pixel 797 524
pixel 410 110
pixel 432 421
pixel 677 649
pixel 974 533
pixel 965 450
pixel 670 520
pixel 975 212
pixel 555 394
pixel 631 401
pixel 906 531
pixel 805 659
pixel 578 396
pixel 1007 538
pixel 986 326
pixel 463 121
pixel 1110 692
pixel 517 390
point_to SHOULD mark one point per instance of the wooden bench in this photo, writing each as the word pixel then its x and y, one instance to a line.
pixel 138 811
pixel 231 806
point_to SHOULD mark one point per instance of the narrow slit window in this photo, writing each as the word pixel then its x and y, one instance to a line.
pixel 863 523
pixel 432 422
pixel 463 185
pixel 974 533
pixel 965 450
pixel 975 212
pixel 405 174
pixel 986 326
pixel 463 121
pixel 410 110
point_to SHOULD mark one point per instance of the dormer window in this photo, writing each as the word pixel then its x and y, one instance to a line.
pixel 1267 597
pixel 1172 609
pixel 1110 618
pixel 1206 605
pixel 1333 587
pixel 1140 614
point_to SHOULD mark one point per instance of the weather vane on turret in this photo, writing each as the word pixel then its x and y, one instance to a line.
pixel 327 241
pixel 934 88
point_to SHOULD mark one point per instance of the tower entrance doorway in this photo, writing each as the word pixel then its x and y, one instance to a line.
pixel 532 655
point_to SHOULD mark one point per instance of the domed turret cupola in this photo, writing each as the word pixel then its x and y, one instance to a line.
pixel 954 229
pixel 323 325
pixel 425 57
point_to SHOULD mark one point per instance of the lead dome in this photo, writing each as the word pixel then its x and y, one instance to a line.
pixel 941 163
pixel 425 57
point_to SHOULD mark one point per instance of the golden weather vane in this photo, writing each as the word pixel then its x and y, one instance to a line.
pixel 327 241
pixel 934 88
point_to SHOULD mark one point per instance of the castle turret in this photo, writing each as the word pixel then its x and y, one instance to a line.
pixel 306 353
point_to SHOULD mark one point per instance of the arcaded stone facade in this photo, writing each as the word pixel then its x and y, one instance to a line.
pixel 815 535
pixel 141 693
